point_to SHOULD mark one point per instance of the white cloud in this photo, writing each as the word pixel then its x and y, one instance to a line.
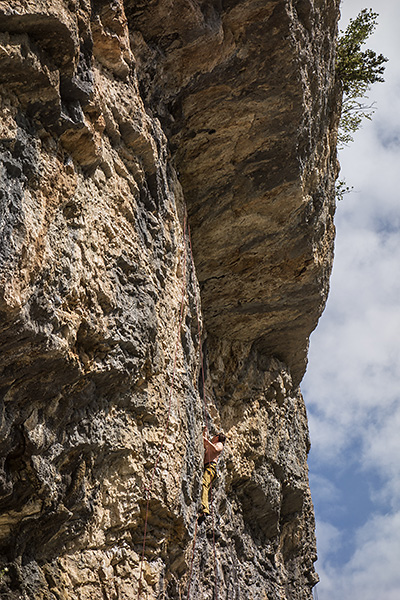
pixel 351 387
pixel 323 489
pixel 373 571
pixel 382 452
pixel 329 538
pixel 354 363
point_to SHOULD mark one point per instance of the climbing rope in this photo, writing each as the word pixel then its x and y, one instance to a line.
pixel 214 549
pixel 192 559
pixel 199 333
pixel 148 489
pixel 206 422
pixel 150 486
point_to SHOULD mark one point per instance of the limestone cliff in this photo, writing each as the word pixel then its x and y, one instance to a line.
pixel 121 121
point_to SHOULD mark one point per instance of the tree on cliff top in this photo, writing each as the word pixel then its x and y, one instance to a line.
pixel 357 70
pixel 355 67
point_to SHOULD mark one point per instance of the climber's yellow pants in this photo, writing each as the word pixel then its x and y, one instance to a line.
pixel 210 473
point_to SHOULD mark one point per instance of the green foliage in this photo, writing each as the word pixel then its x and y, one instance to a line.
pixel 341 189
pixel 355 68
pixel 353 113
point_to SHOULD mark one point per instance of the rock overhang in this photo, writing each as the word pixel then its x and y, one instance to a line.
pixel 251 126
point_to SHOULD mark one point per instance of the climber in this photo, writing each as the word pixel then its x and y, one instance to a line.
pixel 212 451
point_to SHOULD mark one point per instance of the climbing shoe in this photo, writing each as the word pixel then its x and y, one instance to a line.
pixel 202 517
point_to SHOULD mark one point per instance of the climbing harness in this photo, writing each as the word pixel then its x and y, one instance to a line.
pixel 148 488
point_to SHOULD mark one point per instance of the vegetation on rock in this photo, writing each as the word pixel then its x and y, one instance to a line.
pixel 357 70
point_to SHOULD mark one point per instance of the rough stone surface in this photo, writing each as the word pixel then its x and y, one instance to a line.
pixel 117 118
pixel 252 120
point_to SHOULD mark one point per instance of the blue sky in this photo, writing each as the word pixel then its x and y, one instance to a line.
pixel 352 385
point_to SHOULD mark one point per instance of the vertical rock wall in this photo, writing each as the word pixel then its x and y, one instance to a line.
pixel 118 119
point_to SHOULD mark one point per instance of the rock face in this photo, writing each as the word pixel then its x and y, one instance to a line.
pixel 121 123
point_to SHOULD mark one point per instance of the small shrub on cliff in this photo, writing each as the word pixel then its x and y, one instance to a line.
pixel 357 70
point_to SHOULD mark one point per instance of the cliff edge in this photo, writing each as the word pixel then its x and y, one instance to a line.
pixel 167 201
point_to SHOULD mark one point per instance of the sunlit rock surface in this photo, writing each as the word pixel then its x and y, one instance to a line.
pixel 117 118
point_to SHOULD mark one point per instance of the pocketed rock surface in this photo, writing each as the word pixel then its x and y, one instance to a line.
pixel 123 122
